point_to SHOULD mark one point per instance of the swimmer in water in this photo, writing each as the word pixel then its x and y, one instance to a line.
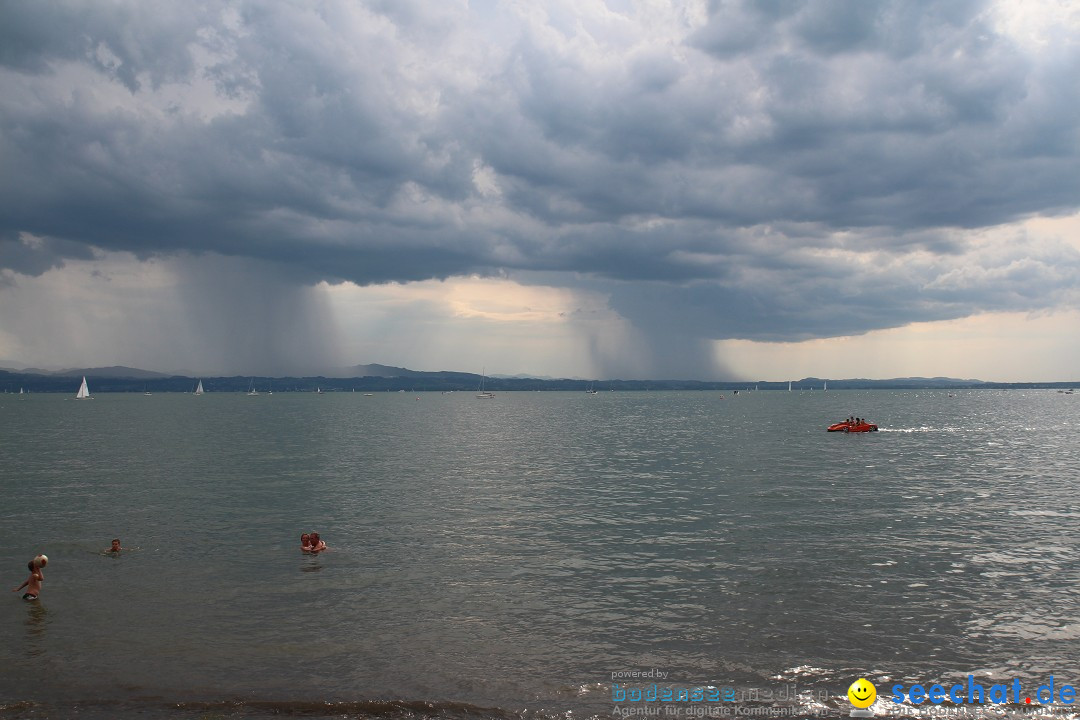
pixel 115 549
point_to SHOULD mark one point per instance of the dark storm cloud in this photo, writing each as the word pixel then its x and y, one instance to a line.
pixel 781 170
pixel 33 256
pixel 124 40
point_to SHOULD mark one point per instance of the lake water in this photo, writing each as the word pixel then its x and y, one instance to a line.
pixel 504 558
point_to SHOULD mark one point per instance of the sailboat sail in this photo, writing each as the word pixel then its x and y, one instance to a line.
pixel 199 390
pixel 84 391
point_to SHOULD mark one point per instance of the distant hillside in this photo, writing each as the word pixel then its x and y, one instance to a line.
pixel 895 383
pixel 388 371
pixel 115 371
pixel 376 370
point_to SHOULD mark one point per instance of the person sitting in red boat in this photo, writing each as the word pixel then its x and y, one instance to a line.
pixel 861 425
pixel 853 424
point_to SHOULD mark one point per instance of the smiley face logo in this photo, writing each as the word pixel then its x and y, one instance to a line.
pixel 862 693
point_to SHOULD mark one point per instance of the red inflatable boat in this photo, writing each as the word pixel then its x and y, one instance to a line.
pixel 851 427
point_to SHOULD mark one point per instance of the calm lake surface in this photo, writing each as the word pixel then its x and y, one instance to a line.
pixel 503 558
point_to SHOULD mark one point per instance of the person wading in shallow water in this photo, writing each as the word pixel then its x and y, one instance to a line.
pixel 33 583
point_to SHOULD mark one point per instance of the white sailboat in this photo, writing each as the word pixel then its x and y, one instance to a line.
pixel 789 386
pixel 252 391
pixel 481 393
pixel 198 389
pixel 826 388
pixel 84 391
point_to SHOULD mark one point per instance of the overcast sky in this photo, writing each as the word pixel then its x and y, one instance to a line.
pixel 590 188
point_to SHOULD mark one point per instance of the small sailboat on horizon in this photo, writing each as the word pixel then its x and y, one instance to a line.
pixel 84 391
pixel 199 389
pixel 481 393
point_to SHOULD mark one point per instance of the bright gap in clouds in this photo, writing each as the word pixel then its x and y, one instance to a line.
pixel 996 347
pixel 473 324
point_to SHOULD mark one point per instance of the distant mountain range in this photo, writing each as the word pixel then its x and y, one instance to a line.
pixel 914 382
pixel 114 371
pixel 386 378
pixel 387 371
